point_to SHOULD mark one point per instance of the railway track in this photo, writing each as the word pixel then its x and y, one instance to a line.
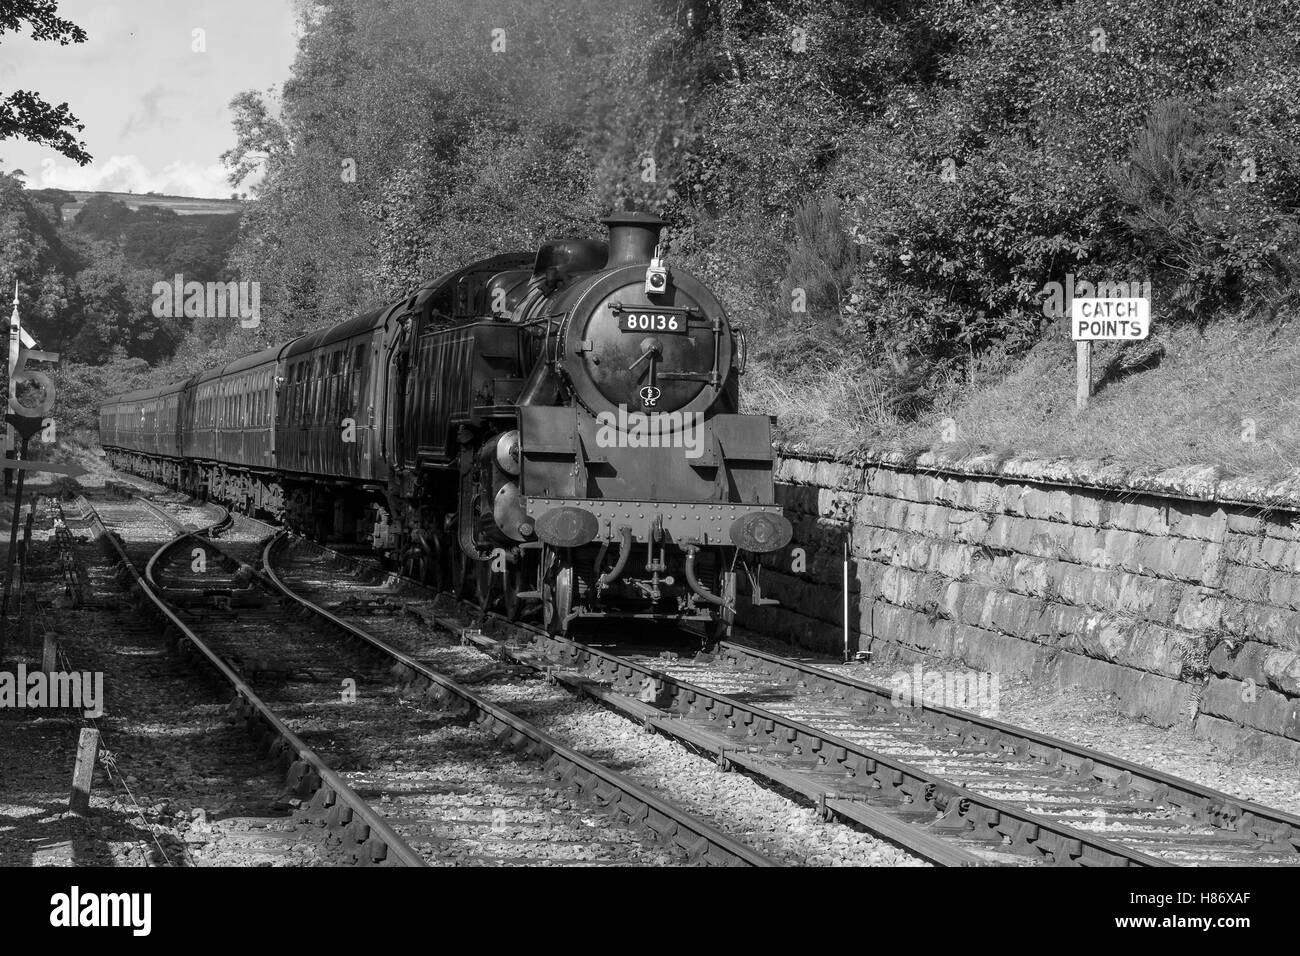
pixel 464 783
pixel 352 821
pixel 949 785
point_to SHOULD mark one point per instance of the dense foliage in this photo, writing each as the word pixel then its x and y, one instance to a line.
pixel 901 180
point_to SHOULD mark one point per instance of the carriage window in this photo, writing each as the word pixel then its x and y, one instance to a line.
pixel 358 376
pixel 323 392
pixel 337 390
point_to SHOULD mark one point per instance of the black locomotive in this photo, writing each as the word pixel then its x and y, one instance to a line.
pixel 557 427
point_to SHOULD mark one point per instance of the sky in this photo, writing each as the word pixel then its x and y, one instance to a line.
pixel 156 110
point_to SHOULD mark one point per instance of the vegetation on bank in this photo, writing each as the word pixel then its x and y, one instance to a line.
pixel 1223 395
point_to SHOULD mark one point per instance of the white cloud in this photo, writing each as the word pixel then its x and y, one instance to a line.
pixel 122 174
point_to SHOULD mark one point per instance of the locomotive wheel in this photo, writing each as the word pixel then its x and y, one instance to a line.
pixel 421 562
pixel 715 630
pixel 411 563
pixel 437 576
pixel 460 572
pixel 511 583
pixel 483 584
pixel 557 600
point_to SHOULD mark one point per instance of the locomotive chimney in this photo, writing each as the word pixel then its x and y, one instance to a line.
pixel 632 237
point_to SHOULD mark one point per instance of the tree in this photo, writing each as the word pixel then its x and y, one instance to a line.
pixel 260 138
pixel 23 113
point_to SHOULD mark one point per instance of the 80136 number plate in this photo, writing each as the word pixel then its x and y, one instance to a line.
pixel 652 322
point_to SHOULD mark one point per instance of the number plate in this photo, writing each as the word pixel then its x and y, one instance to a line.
pixel 670 322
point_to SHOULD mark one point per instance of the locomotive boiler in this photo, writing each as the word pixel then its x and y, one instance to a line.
pixel 555 430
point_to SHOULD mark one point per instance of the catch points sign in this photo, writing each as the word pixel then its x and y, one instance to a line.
pixel 1109 320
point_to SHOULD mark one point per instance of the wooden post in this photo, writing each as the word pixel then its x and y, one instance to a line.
pixel 846 598
pixel 1083 352
pixel 13 538
pixel 84 773
pixel 24 550
pixel 50 654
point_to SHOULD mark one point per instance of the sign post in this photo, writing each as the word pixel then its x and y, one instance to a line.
pixel 1083 378
pixel 1103 320
pixel 19 339
pixel 24 422
pixel 13 526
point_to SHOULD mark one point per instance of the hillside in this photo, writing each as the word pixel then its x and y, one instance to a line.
pixel 181 205
pixel 86 280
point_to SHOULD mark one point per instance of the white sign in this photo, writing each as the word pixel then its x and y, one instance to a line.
pixel 1109 320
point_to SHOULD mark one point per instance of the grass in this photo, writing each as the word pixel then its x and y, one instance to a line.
pixel 1227 396
pixel 830 399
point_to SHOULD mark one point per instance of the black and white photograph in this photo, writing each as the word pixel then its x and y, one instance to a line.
pixel 658 434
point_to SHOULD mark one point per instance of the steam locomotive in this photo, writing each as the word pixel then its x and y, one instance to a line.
pixel 552 430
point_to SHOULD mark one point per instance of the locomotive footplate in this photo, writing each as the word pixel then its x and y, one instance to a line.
pixel 573 522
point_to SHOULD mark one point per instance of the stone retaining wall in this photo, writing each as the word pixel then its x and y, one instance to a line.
pixel 1163 590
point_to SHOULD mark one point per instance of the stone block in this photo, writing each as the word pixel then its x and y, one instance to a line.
pixel 1279 627
pixel 1246 741
pixel 1033 575
pixel 1143 516
pixel 1199 609
pixel 1203 522
pixel 1036 503
pixel 1252 706
pixel 952 560
pixel 1161 700
pixel 1086 509
pixel 1267 666
pixel 1244 522
pixel 1013 495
